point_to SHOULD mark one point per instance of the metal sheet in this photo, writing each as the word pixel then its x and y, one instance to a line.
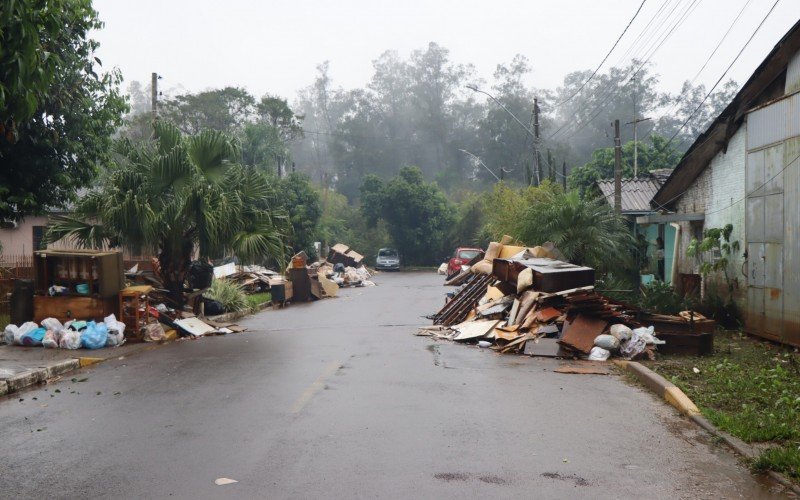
pixel 773 218
pixel 755 264
pixel 754 218
pixel 793 75
pixel 791 247
pixel 755 173
pixel 773 123
pixel 773 170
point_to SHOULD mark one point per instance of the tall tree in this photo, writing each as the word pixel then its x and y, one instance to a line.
pixel 225 110
pixel 176 195
pixel 62 131
pixel 416 212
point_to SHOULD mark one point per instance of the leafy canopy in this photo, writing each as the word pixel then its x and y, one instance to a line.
pixel 58 113
pixel 417 214
pixel 176 194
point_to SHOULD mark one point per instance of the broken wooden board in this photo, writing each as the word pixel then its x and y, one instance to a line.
pixel 585 368
pixel 475 329
pixel 580 333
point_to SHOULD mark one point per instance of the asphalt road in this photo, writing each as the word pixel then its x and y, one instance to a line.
pixel 337 399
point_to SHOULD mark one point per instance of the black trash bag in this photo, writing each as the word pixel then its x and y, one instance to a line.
pixel 338 267
pixel 200 275
pixel 212 307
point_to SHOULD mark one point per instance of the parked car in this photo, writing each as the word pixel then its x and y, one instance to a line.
pixel 461 257
pixel 388 259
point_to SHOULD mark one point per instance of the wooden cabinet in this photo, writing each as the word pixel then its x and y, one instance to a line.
pixel 81 272
pixel 72 307
pixel 91 279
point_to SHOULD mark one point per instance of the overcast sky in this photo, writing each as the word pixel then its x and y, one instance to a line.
pixel 274 46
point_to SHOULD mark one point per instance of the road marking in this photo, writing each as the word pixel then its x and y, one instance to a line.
pixel 315 387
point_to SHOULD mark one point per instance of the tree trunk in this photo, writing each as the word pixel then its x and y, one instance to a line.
pixel 174 260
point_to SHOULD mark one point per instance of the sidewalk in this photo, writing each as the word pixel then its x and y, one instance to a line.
pixel 21 367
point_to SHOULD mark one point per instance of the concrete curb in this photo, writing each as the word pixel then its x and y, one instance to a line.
pixel 661 386
pixel 677 398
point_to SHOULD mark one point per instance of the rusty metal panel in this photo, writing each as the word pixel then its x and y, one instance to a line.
pixel 755 265
pixel 791 247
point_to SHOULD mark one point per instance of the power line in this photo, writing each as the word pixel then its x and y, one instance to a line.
pixel 750 194
pixel 612 91
pixel 725 72
pixel 605 58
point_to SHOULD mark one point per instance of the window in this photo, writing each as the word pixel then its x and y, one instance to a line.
pixel 468 254
pixel 38 236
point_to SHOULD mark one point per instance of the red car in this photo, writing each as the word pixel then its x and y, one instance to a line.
pixel 461 257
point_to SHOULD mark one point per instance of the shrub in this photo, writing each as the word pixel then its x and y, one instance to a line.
pixel 229 294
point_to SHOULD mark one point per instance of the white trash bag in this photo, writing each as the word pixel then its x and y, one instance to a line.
pixel 622 332
pixel 599 354
pixel 607 342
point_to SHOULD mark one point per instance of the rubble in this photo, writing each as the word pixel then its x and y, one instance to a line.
pixel 530 301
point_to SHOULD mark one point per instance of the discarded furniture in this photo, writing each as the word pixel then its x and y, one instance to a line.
pixel 85 284
pixel 549 275
pixel 342 254
pixel 134 310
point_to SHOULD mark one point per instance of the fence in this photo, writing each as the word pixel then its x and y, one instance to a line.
pixel 16 266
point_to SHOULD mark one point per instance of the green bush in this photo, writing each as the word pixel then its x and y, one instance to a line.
pixel 660 297
pixel 229 294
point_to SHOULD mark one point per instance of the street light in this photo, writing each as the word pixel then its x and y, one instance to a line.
pixel 476 158
pixel 476 89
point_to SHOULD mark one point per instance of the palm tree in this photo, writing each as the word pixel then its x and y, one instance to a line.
pixel 585 230
pixel 174 195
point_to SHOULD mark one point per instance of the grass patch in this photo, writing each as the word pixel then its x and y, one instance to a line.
pixel 257 299
pixel 5 319
pixel 749 388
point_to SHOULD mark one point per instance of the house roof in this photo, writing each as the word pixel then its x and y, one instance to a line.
pixel 764 85
pixel 636 193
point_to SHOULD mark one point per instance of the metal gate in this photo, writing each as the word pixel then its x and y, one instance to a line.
pixel 772 225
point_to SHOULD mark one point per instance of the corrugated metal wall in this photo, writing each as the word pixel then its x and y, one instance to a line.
pixel 773 220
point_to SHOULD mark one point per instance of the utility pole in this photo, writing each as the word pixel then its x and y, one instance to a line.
pixel 564 174
pixel 636 142
pixel 536 166
pixel 635 135
pixel 154 95
pixel 617 170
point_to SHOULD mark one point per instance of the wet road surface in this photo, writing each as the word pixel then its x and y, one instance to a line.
pixel 337 399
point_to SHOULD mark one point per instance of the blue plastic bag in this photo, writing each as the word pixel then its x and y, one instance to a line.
pixel 94 336
pixel 34 338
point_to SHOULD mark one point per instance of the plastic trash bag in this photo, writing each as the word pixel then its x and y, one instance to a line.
pixel 10 333
pixel 633 347
pixel 621 331
pixel 50 340
pixel 34 338
pixel 154 332
pixel 598 354
pixel 23 330
pixel 116 331
pixel 607 342
pixel 70 339
pixel 648 334
pixel 94 336
pixel 52 324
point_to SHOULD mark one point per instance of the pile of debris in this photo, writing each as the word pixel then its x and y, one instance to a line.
pixel 528 300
